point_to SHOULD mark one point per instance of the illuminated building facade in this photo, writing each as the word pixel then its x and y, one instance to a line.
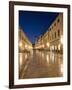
pixel 24 43
pixel 52 39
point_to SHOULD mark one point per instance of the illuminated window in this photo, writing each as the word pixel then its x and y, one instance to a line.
pixel 61 39
pixel 48 44
pixel 59 47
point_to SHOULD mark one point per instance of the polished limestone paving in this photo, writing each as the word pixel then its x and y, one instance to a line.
pixel 40 64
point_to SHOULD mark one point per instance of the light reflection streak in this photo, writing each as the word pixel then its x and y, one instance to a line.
pixel 25 56
pixel 61 68
pixel 42 55
pixel 52 57
pixel 47 58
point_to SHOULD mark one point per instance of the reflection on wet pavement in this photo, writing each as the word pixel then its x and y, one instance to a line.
pixel 40 64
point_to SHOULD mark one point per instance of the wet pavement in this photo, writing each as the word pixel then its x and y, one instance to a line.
pixel 40 64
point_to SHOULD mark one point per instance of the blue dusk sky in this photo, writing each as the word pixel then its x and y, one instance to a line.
pixel 35 23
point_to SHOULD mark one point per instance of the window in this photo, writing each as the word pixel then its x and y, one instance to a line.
pixel 50 28
pixel 58 20
pixel 55 34
pixel 55 24
pixel 58 33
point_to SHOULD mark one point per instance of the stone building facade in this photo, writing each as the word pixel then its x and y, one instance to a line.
pixel 24 43
pixel 52 39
